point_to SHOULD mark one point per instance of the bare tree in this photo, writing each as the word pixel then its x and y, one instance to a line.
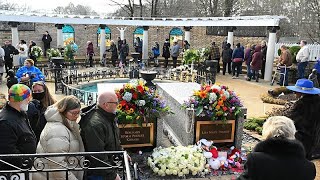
pixel 7 6
pixel 127 8
pixel 141 8
pixel 75 10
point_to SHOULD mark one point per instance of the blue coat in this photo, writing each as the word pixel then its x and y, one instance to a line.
pixel 238 53
pixel 317 66
pixel 38 76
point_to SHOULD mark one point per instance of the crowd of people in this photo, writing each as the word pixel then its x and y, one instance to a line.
pixel 32 121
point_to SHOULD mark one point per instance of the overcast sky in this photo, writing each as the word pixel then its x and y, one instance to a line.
pixel 100 6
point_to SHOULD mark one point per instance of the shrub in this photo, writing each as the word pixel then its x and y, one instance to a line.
pixel 259 130
pixel 250 125
pixel 294 51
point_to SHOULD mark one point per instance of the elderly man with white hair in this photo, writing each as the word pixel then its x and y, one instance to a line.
pixel 100 132
pixel 279 156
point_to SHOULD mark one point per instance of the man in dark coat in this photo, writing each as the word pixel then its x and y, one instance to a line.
pixel 227 58
pixel 280 156
pixel 46 39
pixel 9 51
pixel 166 52
pixel 215 54
pixel 16 135
pixel 100 132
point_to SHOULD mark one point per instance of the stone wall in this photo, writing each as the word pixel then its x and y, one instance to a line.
pixel 82 35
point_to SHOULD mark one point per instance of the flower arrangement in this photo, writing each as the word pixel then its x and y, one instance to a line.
pixel 69 53
pixel 36 52
pixel 139 104
pixel 178 161
pixel 215 102
pixel 190 55
pixel 196 56
pixel 53 53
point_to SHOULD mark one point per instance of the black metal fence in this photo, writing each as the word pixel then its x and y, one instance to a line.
pixel 26 166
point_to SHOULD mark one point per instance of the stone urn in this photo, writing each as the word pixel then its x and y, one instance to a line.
pixel 149 76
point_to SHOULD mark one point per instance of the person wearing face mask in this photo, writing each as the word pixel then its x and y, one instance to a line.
pixel 100 133
pixel 16 135
pixel 61 135
pixel 41 100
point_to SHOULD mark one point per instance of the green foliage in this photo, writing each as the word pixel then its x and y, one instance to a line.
pixel 190 56
pixel 250 125
pixel 69 53
pixel 259 130
pixel 254 124
pixel 294 51
pixel 53 53
pixel 279 52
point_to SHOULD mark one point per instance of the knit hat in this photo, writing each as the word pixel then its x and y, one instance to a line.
pixel 19 92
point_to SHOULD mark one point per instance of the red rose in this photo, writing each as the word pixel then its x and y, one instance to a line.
pixel 135 96
pixel 214 152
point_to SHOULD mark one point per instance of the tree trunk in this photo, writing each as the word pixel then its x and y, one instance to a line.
pixel 152 10
pixel 155 8
pixel 141 8
pixel 228 7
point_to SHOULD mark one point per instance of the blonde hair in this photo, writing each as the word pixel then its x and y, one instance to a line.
pixel 248 46
pixel 30 61
pixel 278 127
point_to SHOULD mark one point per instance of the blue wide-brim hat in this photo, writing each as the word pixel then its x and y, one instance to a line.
pixel 304 86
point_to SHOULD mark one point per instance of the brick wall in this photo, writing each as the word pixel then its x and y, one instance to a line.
pixel 199 38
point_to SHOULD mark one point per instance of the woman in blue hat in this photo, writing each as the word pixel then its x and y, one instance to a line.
pixel 306 115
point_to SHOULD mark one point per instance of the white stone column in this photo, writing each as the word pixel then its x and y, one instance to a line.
pixel 102 40
pixel 14 36
pixel 122 30
pixel 59 35
pixel 187 33
pixel 230 36
pixel 270 53
pixel 145 43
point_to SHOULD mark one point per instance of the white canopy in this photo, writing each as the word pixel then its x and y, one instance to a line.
pixel 140 21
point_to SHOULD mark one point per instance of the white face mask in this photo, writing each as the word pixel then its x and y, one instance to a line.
pixel 24 107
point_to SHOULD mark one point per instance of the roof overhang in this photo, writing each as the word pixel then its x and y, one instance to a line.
pixel 141 21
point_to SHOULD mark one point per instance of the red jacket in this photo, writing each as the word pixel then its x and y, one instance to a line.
pixel 256 63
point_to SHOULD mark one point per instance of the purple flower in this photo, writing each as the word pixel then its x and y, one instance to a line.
pixel 162 104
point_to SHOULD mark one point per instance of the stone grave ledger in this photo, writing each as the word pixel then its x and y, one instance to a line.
pixel 132 135
pixel 187 129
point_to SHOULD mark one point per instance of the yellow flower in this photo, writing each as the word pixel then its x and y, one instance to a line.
pixel 119 106
pixel 128 86
pixel 218 107
pixel 146 88
pixel 130 111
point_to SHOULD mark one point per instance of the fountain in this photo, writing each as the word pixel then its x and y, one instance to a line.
pixel 149 76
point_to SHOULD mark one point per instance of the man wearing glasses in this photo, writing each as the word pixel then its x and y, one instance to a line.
pixel 101 133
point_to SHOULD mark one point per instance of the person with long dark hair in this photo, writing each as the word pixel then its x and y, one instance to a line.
pixel 124 51
pixel 90 52
pixel 166 52
pixel 305 114
pixel 41 100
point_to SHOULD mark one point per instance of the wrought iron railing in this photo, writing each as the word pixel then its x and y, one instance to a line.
pixel 24 166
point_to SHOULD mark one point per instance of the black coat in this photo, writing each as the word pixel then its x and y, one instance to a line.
pixel 36 117
pixel 114 51
pixel 278 159
pixel 16 136
pixel 8 51
pixel 227 55
pixel 305 114
pixel 166 50
pixel 100 132
pixel 46 39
